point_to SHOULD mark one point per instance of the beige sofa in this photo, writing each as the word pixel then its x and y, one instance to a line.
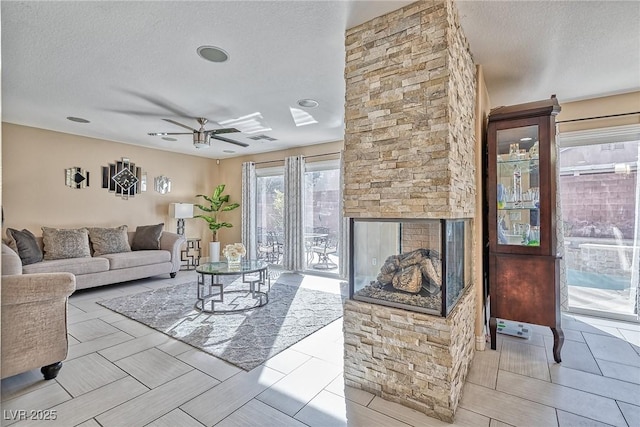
pixel 110 268
pixel 34 320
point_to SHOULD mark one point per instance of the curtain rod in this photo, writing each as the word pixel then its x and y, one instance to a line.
pixel 306 157
pixel 599 117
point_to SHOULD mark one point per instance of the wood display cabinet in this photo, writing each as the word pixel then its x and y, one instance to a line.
pixel 521 185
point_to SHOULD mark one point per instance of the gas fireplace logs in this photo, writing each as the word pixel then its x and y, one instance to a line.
pixel 412 272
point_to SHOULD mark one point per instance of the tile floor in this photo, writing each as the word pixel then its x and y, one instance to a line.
pixel 122 373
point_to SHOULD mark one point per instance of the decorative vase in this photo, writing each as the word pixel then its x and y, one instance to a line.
pixel 214 251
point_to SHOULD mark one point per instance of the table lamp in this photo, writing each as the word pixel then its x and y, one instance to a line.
pixel 180 211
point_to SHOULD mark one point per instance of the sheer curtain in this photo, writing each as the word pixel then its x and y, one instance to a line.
pixel 294 251
pixel 249 209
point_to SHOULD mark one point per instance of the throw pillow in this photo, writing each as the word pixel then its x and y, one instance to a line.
pixel 65 243
pixel 25 244
pixel 109 240
pixel 147 237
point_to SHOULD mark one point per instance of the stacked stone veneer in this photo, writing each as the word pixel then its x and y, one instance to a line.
pixel 409 116
pixel 410 153
pixel 414 359
pixel 421 235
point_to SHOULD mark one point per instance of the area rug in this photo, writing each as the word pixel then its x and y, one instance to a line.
pixel 244 339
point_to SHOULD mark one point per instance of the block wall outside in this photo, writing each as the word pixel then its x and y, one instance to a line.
pixel 414 359
pixel 409 116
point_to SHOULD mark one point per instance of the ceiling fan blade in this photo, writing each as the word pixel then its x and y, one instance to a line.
pixel 219 131
pixel 180 124
pixel 168 133
pixel 230 141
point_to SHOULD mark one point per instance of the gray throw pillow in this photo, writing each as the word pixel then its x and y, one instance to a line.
pixel 109 240
pixel 25 244
pixel 147 237
pixel 65 243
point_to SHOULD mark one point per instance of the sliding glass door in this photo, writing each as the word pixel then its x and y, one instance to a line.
pixel 322 217
pixel 270 214
pixel 599 197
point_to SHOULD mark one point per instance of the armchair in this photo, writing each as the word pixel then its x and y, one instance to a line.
pixel 34 321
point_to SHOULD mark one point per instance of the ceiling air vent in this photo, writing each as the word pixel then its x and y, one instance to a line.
pixel 264 137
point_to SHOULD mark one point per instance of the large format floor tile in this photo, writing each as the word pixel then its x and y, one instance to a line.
pixel 153 367
pixel 88 373
pixel 294 391
pixel 568 399
pixel 122 373
pixel 507 408
pixel 596 384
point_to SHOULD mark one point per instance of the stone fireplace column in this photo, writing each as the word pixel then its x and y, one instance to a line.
pixel 410 154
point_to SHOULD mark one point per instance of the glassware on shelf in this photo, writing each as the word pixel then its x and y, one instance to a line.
pixel 501 196
pixel 517 185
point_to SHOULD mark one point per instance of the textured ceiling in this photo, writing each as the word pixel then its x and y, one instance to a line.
pixel 127 65
pixel 575 49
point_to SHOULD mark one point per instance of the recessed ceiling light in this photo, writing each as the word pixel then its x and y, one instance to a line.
pixel 213 54
pixel 308 103
pixel 167 138
pixel 78 119
pixel 228 151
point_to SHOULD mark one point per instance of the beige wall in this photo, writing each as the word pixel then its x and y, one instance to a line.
pixel 35 195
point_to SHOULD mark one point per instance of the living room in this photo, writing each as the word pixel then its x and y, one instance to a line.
pixel 35 195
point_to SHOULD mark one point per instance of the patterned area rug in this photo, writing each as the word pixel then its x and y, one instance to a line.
pixel 244 339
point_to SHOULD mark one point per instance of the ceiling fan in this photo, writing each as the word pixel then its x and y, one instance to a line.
pixel 202 137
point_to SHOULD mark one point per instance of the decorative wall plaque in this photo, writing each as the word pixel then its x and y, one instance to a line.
pixel 162 184
pixel 75 177
pixel 122 178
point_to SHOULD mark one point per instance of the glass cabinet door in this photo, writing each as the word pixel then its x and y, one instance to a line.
pixel 518 186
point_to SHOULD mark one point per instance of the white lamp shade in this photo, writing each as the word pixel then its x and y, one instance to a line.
pixel 181 210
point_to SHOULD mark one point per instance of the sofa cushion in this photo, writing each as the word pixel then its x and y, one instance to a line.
pixel 25 244
pixel 11 263
pixel 147 237
pixel 84 265
pixel 137 258
pixel 109 240
pixel 65 243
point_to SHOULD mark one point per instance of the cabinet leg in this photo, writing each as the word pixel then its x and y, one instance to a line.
pixel 558 340
pixel 493 327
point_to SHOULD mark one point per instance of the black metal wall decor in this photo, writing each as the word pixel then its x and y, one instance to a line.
pixel 122 178
pixel 75 177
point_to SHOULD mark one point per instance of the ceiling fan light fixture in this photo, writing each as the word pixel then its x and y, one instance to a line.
pixel 213 54
pixel 201 140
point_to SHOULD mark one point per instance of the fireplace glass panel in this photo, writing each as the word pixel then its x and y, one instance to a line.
pixel 399 263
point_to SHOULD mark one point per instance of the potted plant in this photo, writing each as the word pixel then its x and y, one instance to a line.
pixel 217 203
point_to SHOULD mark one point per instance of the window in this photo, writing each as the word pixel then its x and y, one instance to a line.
pixel 322 216
pixel 270 214
pixel 599 198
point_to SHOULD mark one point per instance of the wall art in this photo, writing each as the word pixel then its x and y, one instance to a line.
pixel 76 177
pixel 162 184
pixel 122 178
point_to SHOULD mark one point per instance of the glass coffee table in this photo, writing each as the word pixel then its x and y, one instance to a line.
pixel 212 293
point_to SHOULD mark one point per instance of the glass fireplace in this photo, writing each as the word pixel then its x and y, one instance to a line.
pixel 421 265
